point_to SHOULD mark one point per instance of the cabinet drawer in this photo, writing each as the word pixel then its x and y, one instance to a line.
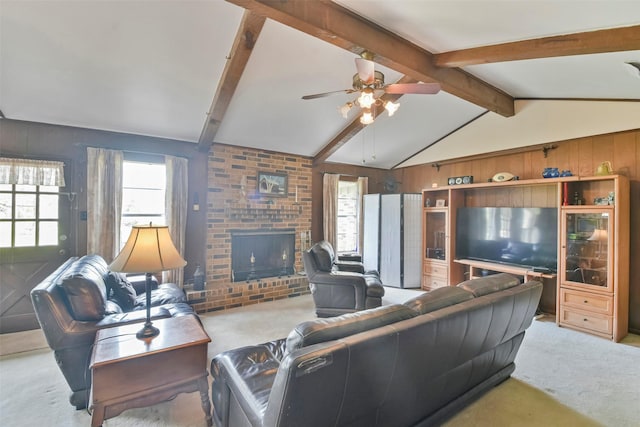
pixel 586 301
pixel 590 321
pixel 431 282
pixel 436 270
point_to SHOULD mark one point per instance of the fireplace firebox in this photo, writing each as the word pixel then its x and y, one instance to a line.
pixel 262 253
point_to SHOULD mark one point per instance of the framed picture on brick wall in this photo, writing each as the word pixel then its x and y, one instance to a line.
pixel 272 184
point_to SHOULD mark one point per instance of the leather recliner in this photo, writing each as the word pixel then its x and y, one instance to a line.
pixel 73 303
pixel 337 286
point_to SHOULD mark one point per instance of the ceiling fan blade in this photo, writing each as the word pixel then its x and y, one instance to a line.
pixel 322 95
pixel 419 88
pixel 366 70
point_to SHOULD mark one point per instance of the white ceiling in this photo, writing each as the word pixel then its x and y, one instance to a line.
pixel 152 68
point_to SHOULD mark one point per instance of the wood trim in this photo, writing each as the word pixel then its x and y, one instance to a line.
pixel 339 26
pixel 440 139
pixel 355 126
pixel 248 32
pixel 601 41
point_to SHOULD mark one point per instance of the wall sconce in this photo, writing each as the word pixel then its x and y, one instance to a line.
pixel 196 202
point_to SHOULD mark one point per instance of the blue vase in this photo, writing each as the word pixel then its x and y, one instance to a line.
pixel 550 173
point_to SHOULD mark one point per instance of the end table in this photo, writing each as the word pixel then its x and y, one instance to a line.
pixel 131 373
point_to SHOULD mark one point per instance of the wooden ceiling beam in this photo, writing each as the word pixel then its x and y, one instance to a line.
pixel 354 127
pixel 339 26
pixel 246 37
pixel 601 41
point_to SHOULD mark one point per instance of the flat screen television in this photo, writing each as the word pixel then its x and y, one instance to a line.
pixel 526 237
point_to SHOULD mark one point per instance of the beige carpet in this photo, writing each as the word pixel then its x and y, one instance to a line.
pixel 562 378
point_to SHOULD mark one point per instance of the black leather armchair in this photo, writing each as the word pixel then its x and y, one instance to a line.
pixel 74 301
pixel 337 286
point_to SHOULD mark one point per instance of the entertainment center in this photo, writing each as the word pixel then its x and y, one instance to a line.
pixel 571 233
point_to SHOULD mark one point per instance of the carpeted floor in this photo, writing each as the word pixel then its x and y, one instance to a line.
pixel 562 377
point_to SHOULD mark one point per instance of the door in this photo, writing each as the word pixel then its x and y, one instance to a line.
pixel 586 241
pixel 34 241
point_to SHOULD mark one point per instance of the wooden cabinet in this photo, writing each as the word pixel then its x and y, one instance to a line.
pixel 438 218
pixel 594 262
pixel 434 266
pixel 590 291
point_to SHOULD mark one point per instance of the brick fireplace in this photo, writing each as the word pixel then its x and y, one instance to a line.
pixel 236 209
pixel 257 254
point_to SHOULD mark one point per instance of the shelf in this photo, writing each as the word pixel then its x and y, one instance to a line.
pixel 503 268
pixel 536 181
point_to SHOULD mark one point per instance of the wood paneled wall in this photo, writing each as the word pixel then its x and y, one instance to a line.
pixel 581 156
pixel 69 144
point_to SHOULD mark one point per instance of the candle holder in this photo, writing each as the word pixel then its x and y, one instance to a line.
pixel 284 271
pixel 252 271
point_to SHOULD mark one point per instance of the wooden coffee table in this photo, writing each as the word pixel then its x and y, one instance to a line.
pixel 130 373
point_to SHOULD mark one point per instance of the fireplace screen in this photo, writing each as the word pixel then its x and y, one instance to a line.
pixel 262 253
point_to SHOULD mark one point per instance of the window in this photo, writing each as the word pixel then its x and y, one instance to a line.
pixel 348 226
pixel 29 216
pixel 143 190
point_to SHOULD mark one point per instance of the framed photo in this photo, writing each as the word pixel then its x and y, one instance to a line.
pixel 440 203
pixel 272 184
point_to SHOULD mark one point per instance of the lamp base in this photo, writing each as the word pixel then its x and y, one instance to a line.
pixel 148 332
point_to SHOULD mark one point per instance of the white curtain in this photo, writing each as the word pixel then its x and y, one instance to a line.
pixel 104 202
pixel 363 188
pixel 176 201
pixel 31 172
pixel 330 207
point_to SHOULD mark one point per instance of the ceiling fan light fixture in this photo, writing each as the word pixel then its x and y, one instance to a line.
pixel 366 99
pixel 344 110
pixel 367 117
pixel 391 107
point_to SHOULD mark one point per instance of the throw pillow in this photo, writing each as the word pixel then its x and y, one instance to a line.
pixel 121 291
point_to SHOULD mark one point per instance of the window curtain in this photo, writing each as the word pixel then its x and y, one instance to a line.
pixel 31 172
pixel 363 188
pixel 104 201
pixel 176 201
pixel 330 207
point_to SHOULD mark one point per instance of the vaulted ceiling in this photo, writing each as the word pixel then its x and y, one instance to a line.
pixel 513 73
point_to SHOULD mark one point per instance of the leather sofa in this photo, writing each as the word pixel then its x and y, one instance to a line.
pixel 339 286
pixel 411 364
pixel 82 296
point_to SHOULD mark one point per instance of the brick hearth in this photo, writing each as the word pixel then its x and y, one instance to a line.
pixel 246 293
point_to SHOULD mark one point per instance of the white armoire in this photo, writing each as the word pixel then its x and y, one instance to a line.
pixel 392 238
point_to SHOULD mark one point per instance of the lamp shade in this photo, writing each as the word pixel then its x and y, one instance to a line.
pixel 148 249
pixel 599 235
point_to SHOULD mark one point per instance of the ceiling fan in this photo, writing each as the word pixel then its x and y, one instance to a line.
pixel 370 83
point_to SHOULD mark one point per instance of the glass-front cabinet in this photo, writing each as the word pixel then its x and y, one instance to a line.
pixel 589 297
pixel 435 242
pixel 586 254
pixel 435 272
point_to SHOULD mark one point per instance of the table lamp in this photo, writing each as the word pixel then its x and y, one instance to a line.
pixel 148 250
pixel 600 236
